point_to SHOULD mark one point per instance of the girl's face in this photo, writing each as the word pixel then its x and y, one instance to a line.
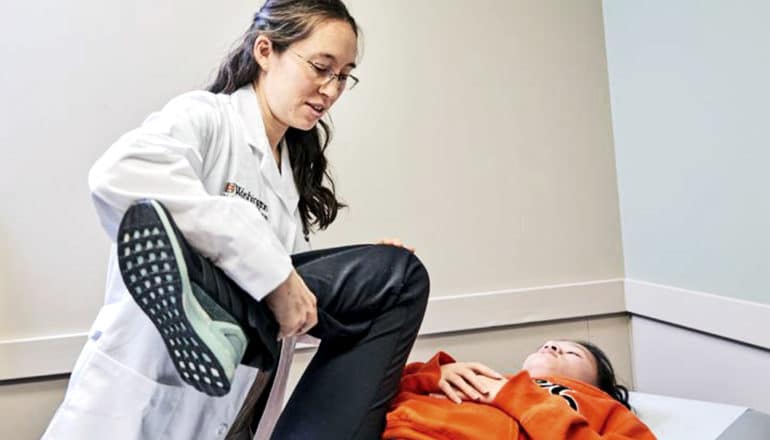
pixel 295 83
pixel 562 358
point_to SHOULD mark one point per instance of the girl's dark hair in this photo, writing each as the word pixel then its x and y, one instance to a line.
pixel 286 22
pixel 605 374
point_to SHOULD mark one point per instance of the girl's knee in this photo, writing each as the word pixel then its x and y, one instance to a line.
pixel 389 253
pixel 396 258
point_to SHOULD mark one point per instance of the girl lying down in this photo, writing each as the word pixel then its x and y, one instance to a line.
pixel 565 390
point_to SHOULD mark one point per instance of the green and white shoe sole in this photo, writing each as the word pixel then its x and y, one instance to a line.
pixel 204 342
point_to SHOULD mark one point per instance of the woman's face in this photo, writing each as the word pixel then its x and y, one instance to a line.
pixel 295 83
pixel 562 358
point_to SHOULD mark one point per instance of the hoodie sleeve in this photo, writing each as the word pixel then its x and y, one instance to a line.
pixel 546 417
pixel 164 160
pixel 423 377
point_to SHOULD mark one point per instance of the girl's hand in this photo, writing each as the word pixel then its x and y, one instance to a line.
pixel 492 386
pixel 395 242
pixel 468 381
pixel 294 306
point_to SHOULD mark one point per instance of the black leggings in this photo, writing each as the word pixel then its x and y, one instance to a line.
pixel 371 301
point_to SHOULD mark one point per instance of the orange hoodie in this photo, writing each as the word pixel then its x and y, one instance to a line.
pixel 540 409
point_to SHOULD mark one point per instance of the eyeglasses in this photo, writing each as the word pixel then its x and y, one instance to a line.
pixel 325 75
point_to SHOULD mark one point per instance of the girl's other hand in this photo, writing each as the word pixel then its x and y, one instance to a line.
pixel 467 381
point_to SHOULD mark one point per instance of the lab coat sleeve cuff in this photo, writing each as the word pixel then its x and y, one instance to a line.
pixel 272 273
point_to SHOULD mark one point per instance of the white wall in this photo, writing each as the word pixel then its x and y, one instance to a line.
pixel 690 87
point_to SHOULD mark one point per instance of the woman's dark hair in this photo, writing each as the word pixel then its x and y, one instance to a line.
pixel 286 22
pixel 605 374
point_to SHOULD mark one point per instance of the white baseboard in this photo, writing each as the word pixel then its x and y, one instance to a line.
pixel 523 306
pixel 734 319
pixel 730 318
pixel 54 355
pixel 45 356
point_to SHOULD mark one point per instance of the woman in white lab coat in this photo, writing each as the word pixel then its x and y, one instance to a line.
pixel 237 176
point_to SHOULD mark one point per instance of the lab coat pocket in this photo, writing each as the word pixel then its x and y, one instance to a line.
pixel 109 400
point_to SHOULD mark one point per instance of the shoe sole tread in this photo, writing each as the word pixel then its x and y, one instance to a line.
pixel 151 270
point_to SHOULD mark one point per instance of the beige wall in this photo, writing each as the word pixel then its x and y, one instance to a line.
pixel 27 407
pixel 480 134
pixel 31 405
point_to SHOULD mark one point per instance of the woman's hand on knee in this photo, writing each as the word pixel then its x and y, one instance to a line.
pixel 395 242
pixel 294 306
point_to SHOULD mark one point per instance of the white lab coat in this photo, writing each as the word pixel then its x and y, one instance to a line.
pixel 124 385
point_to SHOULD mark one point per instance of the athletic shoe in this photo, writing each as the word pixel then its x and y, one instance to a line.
pixel 182 292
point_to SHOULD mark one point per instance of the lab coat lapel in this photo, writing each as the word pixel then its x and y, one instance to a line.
pixel 289 187
pixel 282 183
pixel 245 101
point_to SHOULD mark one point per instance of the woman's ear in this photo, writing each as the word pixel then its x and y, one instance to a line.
pixel 262 50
